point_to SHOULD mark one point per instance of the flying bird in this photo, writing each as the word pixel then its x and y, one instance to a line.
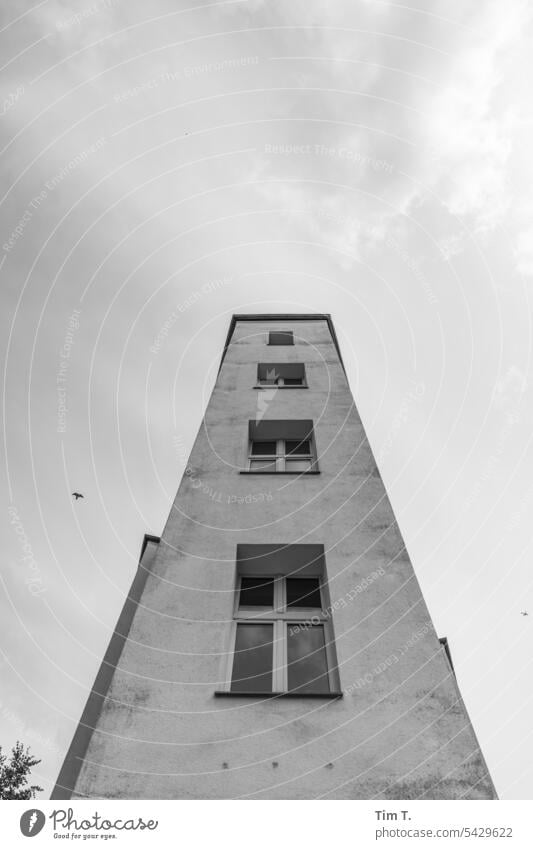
pixel 77 495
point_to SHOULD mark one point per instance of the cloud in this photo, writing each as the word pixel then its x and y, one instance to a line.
pixel 444 121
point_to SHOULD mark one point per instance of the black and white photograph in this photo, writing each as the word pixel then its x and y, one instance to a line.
pixel 266 275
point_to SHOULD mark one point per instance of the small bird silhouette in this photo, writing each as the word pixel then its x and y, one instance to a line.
pixel 77 495
pixel 524 613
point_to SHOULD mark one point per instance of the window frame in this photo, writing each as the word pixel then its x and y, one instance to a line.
pixel 280 381
pixel 280 384
pixel 281 617
pixel 281 456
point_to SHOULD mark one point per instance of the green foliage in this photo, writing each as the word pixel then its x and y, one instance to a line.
pixel 14 774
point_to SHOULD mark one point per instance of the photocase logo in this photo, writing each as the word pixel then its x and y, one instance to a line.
pixel 32 822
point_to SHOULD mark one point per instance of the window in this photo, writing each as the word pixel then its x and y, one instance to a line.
pixel 281 640
pixel 284 455
pixel 281 446
pixel 281 637
pixel 281 337
pixel 281 374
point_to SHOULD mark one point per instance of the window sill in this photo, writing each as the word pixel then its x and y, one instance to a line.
pixel 259 472
pixel 261 386
pixel 336 694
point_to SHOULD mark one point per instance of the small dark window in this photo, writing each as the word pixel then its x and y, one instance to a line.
pixel 260 449
pixel 292 446
pixel 303 592
pixel 281 337
pixel 257 592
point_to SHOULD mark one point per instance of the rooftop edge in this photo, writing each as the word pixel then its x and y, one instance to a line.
pixel 281 317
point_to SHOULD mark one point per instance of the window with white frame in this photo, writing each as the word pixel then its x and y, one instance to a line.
pixel 281 640
pixel 281 455
pixel 285 446
pixel 281 374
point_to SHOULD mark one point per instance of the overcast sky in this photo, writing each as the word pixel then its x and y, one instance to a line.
pixel 167 164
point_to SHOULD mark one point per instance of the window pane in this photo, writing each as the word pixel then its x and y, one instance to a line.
pixel 293 446
pixel 262 448
pixel 263 466
pixel 293 381
pixel 303 592
pixel 280 337
pixel 306 659
pixel 252 663
pixel 297 465
pixel 257 591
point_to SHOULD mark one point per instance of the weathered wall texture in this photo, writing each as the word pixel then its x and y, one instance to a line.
pixel 400 731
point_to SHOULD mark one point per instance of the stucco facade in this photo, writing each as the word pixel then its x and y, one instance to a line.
pixel 397 729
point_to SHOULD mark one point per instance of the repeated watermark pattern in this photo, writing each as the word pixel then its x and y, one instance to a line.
pixel 391 659
pixel 33 578
pixel 61 377
pixel 49 186
pixel 224 497
pixel 410 398
pixel 88 12
pixel 413 266
pixel 179 447
pixel 342 154
pixel 493 461
pixel 194 297
pixel 11 99
pixel 344 601
pixel 25 731
pixel 186 73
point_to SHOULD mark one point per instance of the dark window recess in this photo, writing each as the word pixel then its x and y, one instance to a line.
pixel 292 446
pixel 280 337
pixel 257 592
pixel 303 592
pixel 260 449
pixel 252 664
pixel 306 659
pixel 281 374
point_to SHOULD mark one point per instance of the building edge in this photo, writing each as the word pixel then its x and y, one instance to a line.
pixel 282 317
pixel 70 770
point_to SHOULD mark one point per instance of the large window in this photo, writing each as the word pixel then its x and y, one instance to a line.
pixel 280 446
pixel 282 638
pixel 281 374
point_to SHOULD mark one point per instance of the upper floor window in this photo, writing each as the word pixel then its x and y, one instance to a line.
pixel 281 446
pixel 281 337
pixel 281 374
pixel 282 640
